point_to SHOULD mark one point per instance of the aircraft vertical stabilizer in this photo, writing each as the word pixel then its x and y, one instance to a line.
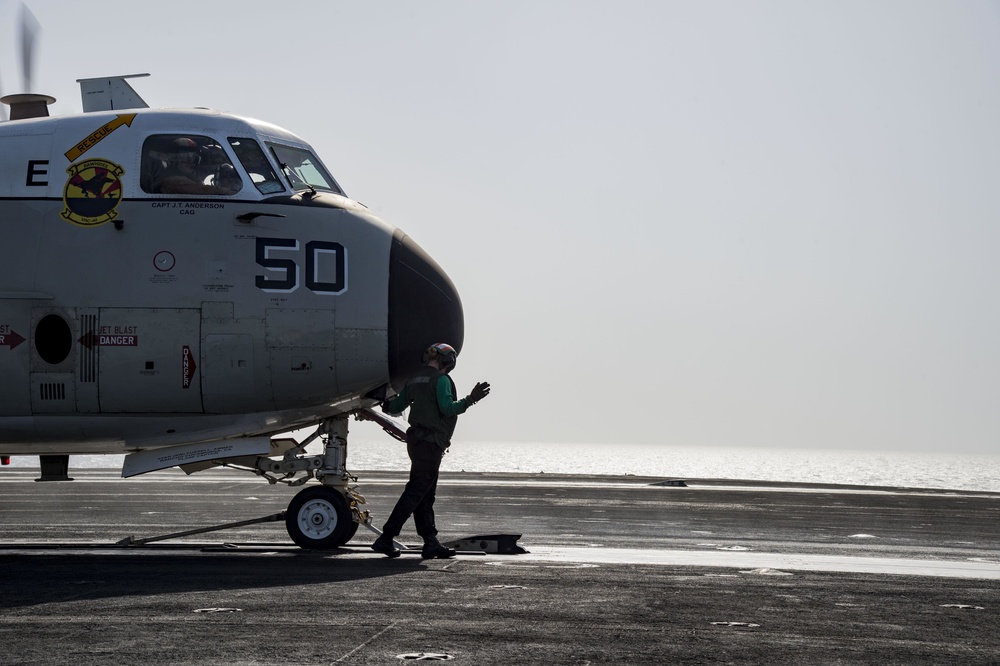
pixel 110 93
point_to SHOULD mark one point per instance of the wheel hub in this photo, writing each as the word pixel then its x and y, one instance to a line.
pixel 318 519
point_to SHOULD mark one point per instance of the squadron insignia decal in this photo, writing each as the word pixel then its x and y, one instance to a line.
pixel 92 193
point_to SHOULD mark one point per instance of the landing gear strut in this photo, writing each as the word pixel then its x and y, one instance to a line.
pixel 326 516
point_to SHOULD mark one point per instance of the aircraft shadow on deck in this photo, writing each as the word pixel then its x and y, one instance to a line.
pixel 35 579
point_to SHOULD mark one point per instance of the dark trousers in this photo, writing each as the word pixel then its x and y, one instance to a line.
pixel 418 496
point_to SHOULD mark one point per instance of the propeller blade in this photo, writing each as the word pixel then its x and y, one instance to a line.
pixel 30 27
pixel 3 107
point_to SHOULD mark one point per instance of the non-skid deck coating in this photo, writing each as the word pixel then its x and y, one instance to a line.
pixel 620 571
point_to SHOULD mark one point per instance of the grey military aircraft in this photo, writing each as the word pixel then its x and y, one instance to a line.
pixel 182 286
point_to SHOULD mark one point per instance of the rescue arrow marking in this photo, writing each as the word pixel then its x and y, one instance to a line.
pixel 10 339
pixel 99 134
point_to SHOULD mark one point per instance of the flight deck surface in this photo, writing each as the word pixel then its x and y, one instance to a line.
pixel 619 570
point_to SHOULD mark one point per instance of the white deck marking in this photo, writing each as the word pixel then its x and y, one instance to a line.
pixel 756 560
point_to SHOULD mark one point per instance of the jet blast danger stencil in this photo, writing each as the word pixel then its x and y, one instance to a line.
pixel 9 337
pixel 107 339
pixel 92 193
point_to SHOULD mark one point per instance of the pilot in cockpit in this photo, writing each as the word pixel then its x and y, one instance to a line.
pixel 187 170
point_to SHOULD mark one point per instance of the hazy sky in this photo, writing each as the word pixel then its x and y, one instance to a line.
pixel 702 223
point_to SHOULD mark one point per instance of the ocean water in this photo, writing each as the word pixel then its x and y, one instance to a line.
pixel 913 470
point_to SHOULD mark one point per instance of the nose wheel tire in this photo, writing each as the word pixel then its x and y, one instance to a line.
pixel 319 518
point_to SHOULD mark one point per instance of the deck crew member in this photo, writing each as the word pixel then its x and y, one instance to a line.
pixel 434 411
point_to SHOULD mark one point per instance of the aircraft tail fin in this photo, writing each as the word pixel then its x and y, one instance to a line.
pixel 110 93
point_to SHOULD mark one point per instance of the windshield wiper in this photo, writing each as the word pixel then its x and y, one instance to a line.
pixel 291 177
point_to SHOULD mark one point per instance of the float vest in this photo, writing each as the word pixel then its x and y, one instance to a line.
pixel 425 415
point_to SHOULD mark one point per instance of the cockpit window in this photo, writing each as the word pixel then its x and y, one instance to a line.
pixel 187 164
pixel 252 158
pixel 303 170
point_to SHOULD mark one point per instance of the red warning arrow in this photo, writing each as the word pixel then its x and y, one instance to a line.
pixel 187 367
pixel 10 339
pixel 89 340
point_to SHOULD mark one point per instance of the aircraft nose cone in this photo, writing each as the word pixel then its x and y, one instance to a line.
pixel 424 308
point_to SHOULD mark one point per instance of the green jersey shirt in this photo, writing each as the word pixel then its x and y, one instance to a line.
pixel 430 395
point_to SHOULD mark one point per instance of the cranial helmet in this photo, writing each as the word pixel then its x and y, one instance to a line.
pixel 446 355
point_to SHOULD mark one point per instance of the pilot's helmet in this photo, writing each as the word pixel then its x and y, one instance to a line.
pixel 444 353
pixel 212 155
pixel 184 151
pixel 228 178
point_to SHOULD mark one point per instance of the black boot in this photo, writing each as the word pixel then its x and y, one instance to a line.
pixel 386 547
pixel 433 549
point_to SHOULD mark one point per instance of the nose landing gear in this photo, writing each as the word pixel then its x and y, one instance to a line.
pixel 320 518
pixel 327 516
